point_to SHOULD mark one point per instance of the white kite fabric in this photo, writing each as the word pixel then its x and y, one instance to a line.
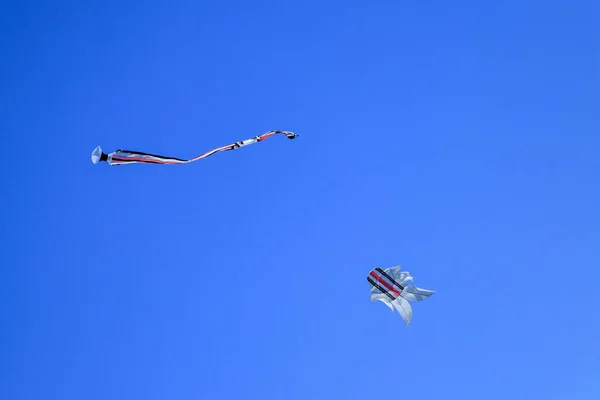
pixel 120 157
pixel 391 286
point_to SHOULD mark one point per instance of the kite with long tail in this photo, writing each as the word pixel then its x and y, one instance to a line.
pixel 120 157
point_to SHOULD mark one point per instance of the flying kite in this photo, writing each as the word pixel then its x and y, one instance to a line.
pixel 391 287
pixel 120 157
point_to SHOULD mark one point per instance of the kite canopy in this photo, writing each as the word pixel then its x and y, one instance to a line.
pixel 97 155
pixel 391 287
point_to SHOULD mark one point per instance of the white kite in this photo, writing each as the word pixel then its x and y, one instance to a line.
pixel 391 287
pixel 122 157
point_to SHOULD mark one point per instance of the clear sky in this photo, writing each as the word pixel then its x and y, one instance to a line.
pixel 458 139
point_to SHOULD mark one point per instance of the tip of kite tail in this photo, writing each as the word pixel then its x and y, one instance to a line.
pixel 98 155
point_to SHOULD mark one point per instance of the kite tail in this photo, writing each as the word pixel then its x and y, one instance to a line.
pixel 120 157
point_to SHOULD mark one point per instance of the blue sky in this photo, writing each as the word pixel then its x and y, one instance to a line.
pixel 457 139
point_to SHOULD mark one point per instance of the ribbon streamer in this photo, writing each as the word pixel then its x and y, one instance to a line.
pixel 120 157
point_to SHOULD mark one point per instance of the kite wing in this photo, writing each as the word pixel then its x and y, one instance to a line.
pixel 414 293
pixel 120 157
pixel 390 287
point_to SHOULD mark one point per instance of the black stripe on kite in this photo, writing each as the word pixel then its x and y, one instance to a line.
pixel 149 154
pixel 382 272
pixel 383 290
pixel 125 161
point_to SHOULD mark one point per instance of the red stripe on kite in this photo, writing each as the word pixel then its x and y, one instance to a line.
pixel 385 283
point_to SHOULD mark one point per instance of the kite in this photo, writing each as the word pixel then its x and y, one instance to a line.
pixel 120 157
pixel 391 287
